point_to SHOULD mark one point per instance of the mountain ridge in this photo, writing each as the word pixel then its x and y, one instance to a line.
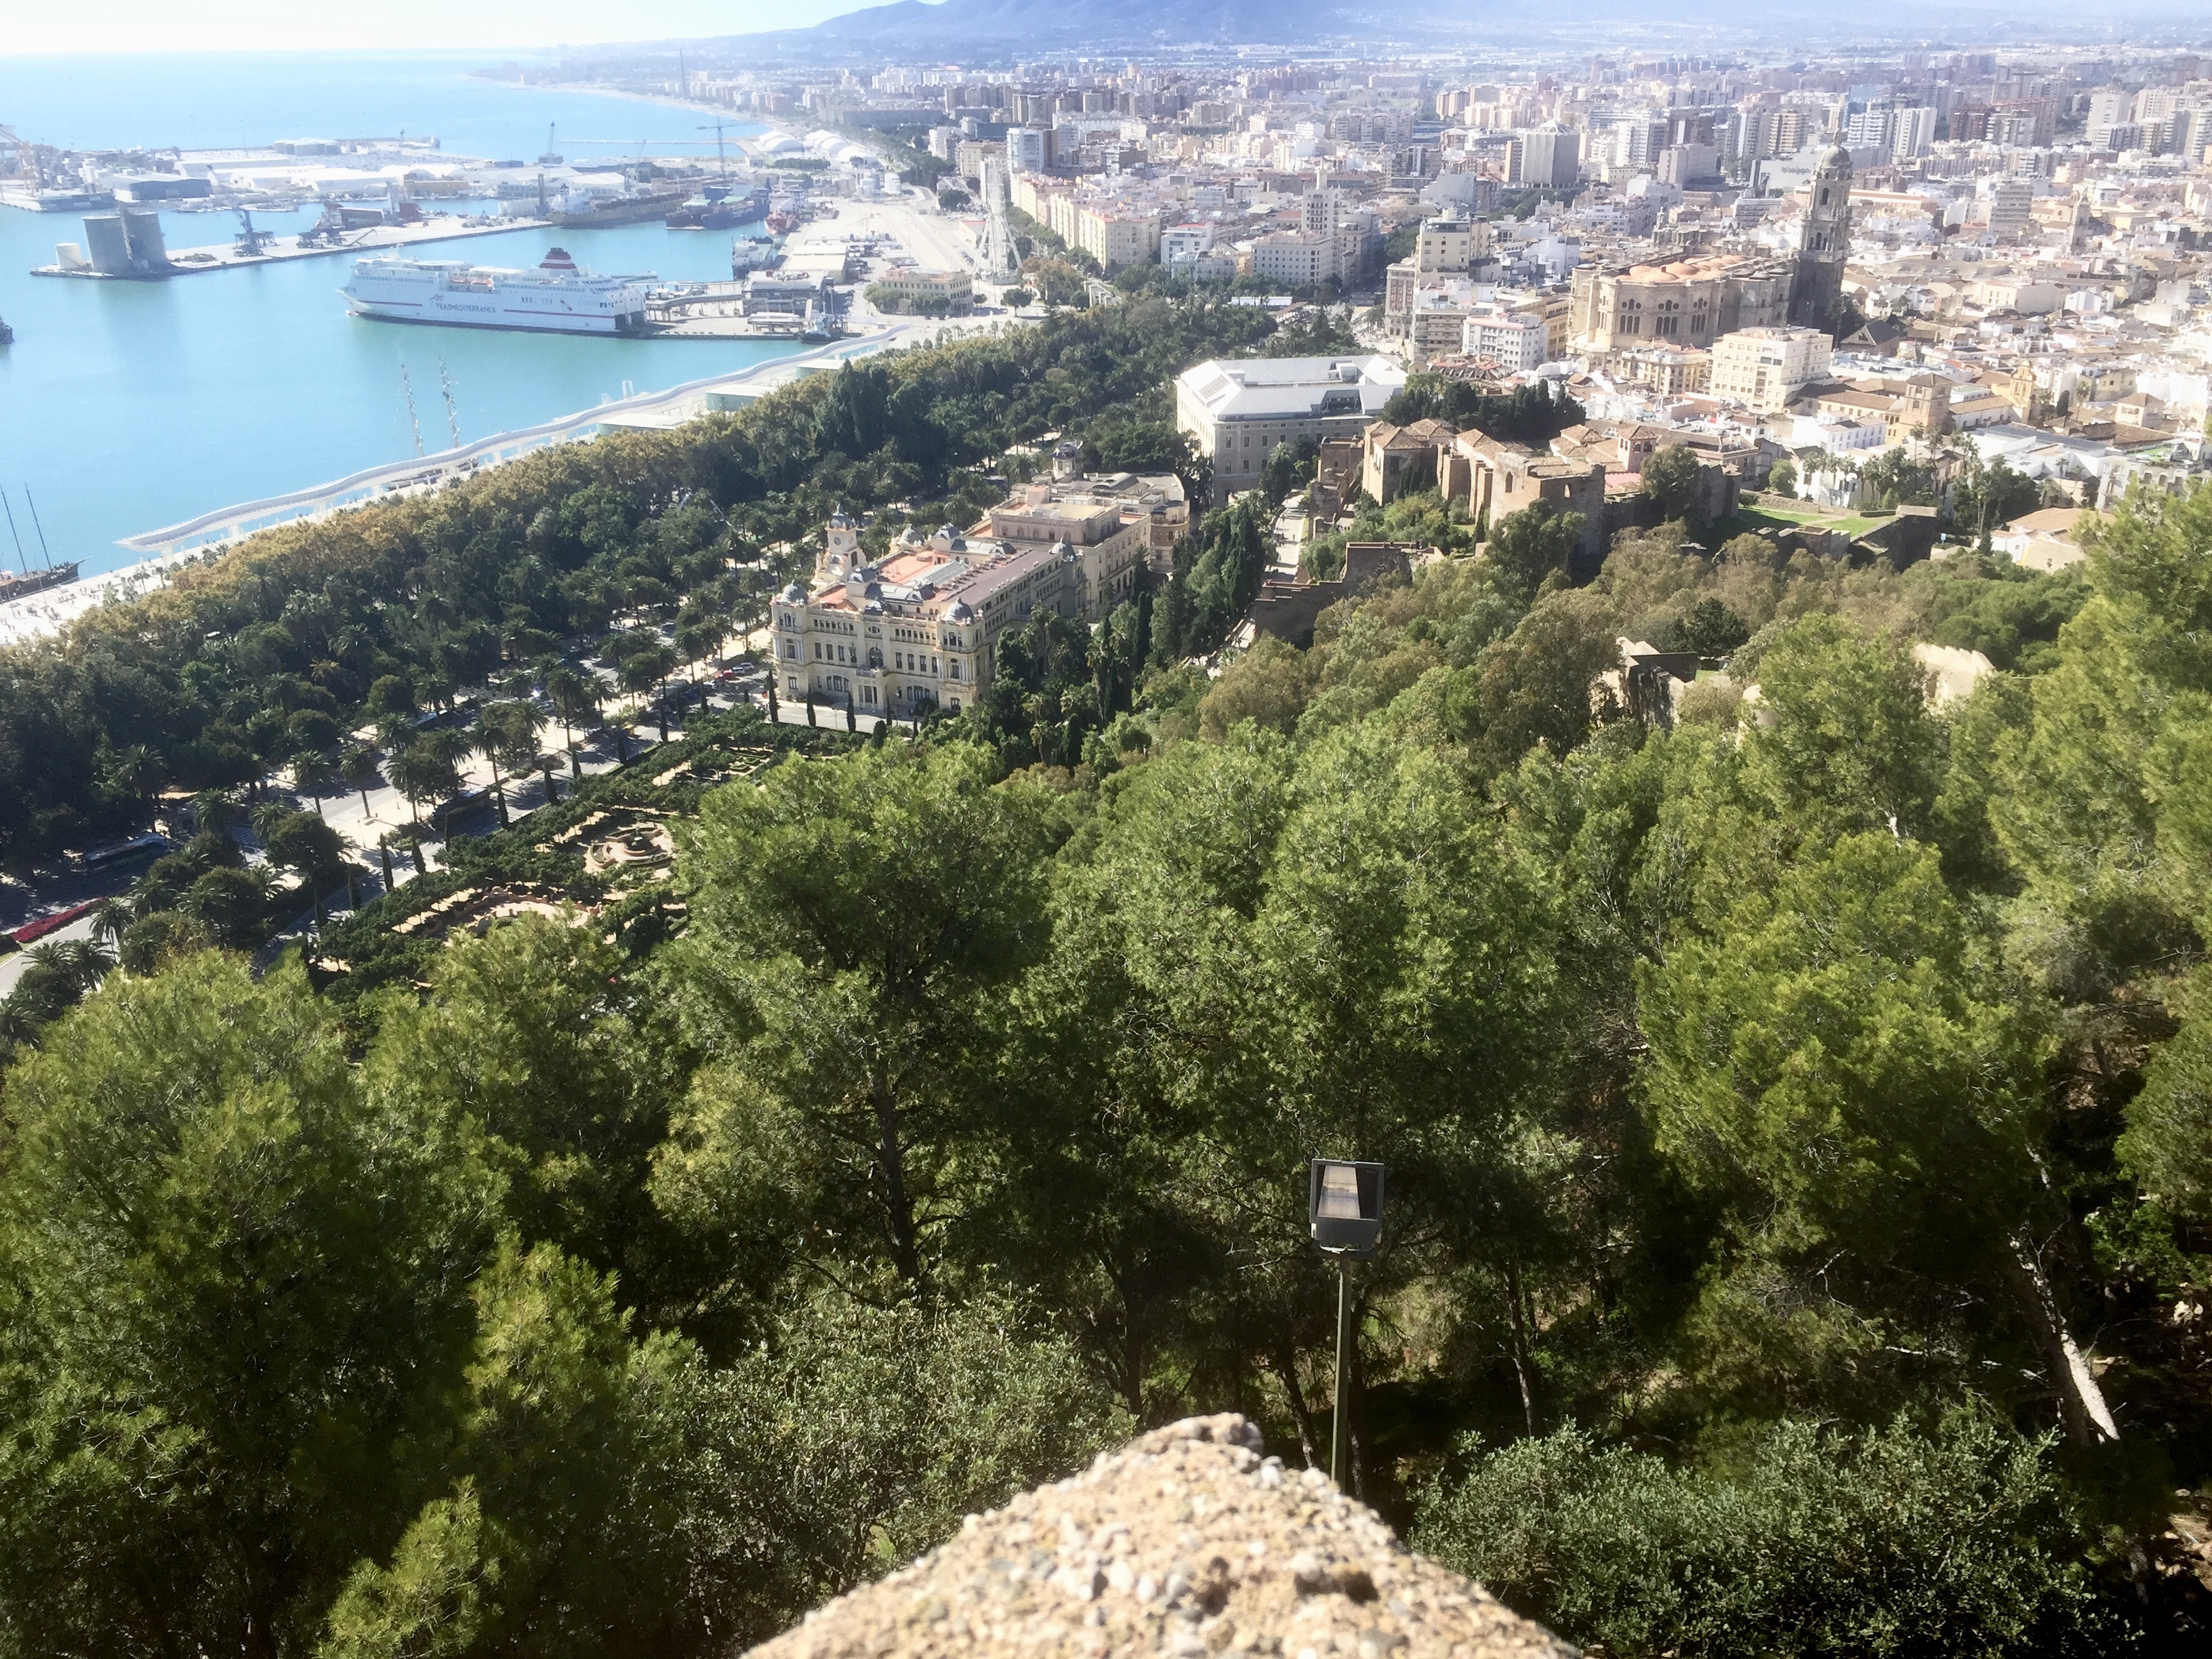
pixel 1015 27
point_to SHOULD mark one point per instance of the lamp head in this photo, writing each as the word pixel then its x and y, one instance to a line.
pixel 1344 1207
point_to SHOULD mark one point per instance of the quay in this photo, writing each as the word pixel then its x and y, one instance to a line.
pixel 186 262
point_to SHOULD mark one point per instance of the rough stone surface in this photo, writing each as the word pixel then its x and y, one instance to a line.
pixel 1187 1542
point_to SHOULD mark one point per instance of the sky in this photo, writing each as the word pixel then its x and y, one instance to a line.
pixel 296 25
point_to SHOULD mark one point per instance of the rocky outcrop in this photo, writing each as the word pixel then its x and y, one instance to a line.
pixel 1190 1542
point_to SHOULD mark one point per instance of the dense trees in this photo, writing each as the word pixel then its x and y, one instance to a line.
pixel 297 1359
pixel 236 1286
pixel 1797 1114
pixel 851 923
pixel 1527 415
pixel 1888 1542
pixel 1215 577
pixel 242 665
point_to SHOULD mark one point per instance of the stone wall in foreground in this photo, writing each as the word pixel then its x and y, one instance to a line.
pixel 1189 1542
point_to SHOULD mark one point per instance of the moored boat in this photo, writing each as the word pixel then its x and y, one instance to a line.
pixel 558 296
pixel 576 213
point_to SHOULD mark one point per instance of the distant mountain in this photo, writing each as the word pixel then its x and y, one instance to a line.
pixel 1019 27
pixel 1014 24
pixel 1004 29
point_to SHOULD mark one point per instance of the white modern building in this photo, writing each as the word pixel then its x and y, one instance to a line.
pixel 1513 340
pixel 1291 257
pixel 1181 243
pixel 1763 368
pixel 1236 411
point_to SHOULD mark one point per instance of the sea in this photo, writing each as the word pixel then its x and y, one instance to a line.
pixel 125 407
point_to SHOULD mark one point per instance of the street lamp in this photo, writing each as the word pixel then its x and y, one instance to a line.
pixel 1344 1207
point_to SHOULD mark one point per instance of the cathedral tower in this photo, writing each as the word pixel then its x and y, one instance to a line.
pixel 1816 286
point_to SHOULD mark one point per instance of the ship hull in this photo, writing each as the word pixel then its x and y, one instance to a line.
pixel 556 297
pixel 712 219
pixel 56 201
pixel 627 332
pixel 12 586
pixel 633 212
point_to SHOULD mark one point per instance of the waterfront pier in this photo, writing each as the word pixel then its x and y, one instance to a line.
pixel 279 248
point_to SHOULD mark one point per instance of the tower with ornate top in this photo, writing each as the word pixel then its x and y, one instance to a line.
pixel 1816 285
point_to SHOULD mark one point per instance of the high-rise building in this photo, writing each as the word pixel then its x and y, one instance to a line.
pixel 1912 133
pixel 2009 200
pixel 1550 156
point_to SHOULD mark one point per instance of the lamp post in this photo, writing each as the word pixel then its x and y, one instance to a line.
pixel 1344 1206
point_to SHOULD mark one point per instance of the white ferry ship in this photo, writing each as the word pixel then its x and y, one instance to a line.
pixel 559 296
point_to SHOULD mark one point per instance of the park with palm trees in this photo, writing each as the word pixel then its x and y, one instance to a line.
pixel 352 815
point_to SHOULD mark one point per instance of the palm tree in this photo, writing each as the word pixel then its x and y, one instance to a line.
pixel 506 732
pixel 420 773
pixel 358 766
pixel 648 668
pixel 114 916
pixel 313 774
pixel 641 670
pixel 570 696
pixel 79 963
pixel 692 645
pixel 449 744
pixel 214 811
pixel 135 772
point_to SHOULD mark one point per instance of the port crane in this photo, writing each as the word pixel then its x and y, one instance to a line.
pixel 722 157
pixel 249 243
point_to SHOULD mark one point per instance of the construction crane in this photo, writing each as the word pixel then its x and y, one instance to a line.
pixel 721 159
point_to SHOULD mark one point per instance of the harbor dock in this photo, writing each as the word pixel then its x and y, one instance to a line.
pixel 279 247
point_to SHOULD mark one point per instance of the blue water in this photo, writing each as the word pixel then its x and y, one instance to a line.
pixel 128 406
